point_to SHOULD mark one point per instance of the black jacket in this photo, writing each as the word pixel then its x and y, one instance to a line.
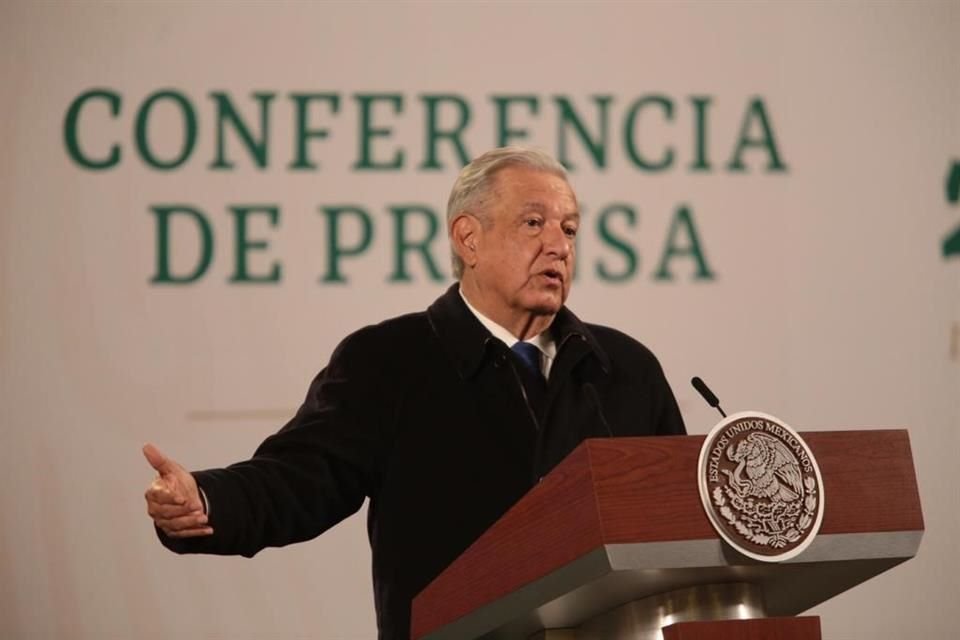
pixel 424 415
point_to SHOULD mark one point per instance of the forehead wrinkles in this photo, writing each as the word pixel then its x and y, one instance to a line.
pixel 530 178
pixel 510 192
pixel 535 206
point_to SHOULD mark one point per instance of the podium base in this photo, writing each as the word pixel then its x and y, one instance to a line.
pixel 805 628
pixel 646 618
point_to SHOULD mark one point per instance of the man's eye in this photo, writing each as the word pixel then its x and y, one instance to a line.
pixel 532 222
pixel 570 231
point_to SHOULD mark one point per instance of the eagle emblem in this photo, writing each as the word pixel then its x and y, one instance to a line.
pixel 760 486
pixel 772 470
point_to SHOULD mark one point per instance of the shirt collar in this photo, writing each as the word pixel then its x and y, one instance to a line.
pixel 543 341
pixel 468 342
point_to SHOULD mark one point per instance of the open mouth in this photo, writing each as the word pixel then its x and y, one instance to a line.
pixel 552 276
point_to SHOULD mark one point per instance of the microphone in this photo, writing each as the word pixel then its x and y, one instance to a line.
pixel 704 391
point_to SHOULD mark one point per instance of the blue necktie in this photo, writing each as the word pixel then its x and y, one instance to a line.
pixel 530 356
pixel 531 376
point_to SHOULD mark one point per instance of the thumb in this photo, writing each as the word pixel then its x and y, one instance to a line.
pixel 157 460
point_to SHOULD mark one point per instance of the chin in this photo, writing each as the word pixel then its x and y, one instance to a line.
pixel 545 304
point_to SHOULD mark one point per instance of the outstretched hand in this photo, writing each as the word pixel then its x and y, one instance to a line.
pixel 173 498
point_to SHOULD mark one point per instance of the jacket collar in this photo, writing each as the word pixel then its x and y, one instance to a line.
pixel 468 342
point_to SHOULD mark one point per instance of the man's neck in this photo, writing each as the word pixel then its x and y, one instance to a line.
pixel 523 326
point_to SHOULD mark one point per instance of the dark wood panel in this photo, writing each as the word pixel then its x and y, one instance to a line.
pixel 647 489
pixel 870 482
pixel 806 628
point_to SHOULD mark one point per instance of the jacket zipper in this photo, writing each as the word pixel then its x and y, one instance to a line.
pixel 526 400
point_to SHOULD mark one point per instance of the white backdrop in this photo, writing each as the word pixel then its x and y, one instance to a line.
pixel 832 304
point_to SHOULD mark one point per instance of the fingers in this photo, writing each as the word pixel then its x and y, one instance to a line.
pixel 182 523
pixel 163 502
pixel 157 460
pixel 160 492
pixel 191 525
pixel 191 533
pixel 168 511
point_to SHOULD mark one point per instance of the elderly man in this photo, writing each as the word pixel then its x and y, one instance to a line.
pixel 443 418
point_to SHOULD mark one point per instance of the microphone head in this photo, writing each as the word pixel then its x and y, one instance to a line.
pixel 704 391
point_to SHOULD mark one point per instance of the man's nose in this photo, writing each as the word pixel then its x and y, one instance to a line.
pixel 557 242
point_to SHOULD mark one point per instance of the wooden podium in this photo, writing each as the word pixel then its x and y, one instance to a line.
pixel 614 543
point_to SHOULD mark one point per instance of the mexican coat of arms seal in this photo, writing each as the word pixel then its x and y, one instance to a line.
pixel 760 486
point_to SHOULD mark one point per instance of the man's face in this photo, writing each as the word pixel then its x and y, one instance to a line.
pixel 525 251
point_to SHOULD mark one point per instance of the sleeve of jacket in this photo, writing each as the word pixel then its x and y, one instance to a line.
pixel 315 471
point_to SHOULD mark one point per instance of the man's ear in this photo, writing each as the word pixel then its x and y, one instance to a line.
pixel 464 236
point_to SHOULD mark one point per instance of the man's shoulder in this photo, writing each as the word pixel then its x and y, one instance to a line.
pixel 397 336
pixel 622 349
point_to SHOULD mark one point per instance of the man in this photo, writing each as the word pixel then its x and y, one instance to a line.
pixel 443 419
